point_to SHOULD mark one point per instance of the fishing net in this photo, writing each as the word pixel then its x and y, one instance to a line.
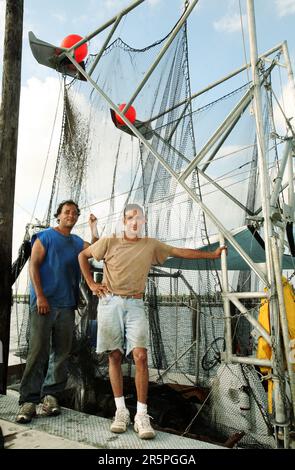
pixel 102 168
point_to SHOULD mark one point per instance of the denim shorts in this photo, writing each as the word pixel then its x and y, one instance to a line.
pixel 121 324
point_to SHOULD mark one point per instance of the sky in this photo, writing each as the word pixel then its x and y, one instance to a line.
pixel 217 45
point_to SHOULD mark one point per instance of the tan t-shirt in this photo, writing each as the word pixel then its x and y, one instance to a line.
pixel 127 263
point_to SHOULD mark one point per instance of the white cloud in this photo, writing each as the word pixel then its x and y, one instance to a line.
pixel 285 7
pixel 288 104
pixel 229 23
pixel 37 111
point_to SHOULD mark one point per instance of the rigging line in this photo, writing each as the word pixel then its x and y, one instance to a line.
pixel 174 196
pixel 49 147
pixel 244 42
pixel 207 184
pixel 281 85
pixel 241 150
pixel 131 190
pixel 263 412
pixel 24 209
pixel 57 164
pixel 118 42
pixel 228 185
pixel 260 133
pixel 202 108
pixel 187 160
pixel 167 198
pixel 271 165
pixel 215 380
pixel 289 125
pixel 269 101
pixel 168 177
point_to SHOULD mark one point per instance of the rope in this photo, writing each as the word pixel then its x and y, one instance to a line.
pixel 244 43
pixel 47 156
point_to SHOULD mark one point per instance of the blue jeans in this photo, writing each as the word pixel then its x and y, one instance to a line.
pixel 50 344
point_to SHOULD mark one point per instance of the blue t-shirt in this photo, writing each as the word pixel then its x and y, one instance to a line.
pixel 60 271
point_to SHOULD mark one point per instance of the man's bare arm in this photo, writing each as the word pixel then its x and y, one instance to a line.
pixel 37 258
pixel 189 253
pixel 97 288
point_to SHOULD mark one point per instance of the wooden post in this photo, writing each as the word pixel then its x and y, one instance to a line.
pixel 9 113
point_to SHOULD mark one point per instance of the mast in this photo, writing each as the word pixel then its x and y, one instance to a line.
pixel 9 114
pixel 278 319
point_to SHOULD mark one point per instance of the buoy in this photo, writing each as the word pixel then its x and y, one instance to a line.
pixel 81 52
pixel 130 114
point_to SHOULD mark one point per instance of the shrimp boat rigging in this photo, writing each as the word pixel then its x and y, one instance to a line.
pixel 213 307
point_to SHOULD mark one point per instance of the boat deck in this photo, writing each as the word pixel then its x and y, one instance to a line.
pixel 73 429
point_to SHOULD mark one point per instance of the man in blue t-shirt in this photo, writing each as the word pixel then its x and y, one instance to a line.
pixel 55 275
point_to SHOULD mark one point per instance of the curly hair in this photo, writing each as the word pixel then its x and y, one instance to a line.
pixel 63 203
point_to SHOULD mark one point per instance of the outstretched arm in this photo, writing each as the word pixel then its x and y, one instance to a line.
pixel 189 253
pixel 95 287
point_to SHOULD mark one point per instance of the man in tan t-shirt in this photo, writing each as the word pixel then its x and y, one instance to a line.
pixel 127 261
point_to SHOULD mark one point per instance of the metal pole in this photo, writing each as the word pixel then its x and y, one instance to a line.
pixel 289 68
pixel 278 180
pixel 220 188
pixel 248 295
pixel 283 320
pixel 291 196
pixel 250 319
pixel 9 114
pixel 260 137
pixel 286 185
pixel 197 356
pixel 226 303
pixel 278 372
pixel 251 360
pixel 97 58
pixel 232 116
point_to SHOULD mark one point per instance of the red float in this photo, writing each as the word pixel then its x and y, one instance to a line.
pixel 130 114
pixel 81 52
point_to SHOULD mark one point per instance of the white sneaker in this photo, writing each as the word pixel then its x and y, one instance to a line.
pixel 121 420
pixel 143 426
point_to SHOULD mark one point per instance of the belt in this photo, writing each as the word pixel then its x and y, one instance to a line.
pixel 134 296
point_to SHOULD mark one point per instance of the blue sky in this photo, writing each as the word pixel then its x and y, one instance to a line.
pixel 215 26
pixel 215 47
